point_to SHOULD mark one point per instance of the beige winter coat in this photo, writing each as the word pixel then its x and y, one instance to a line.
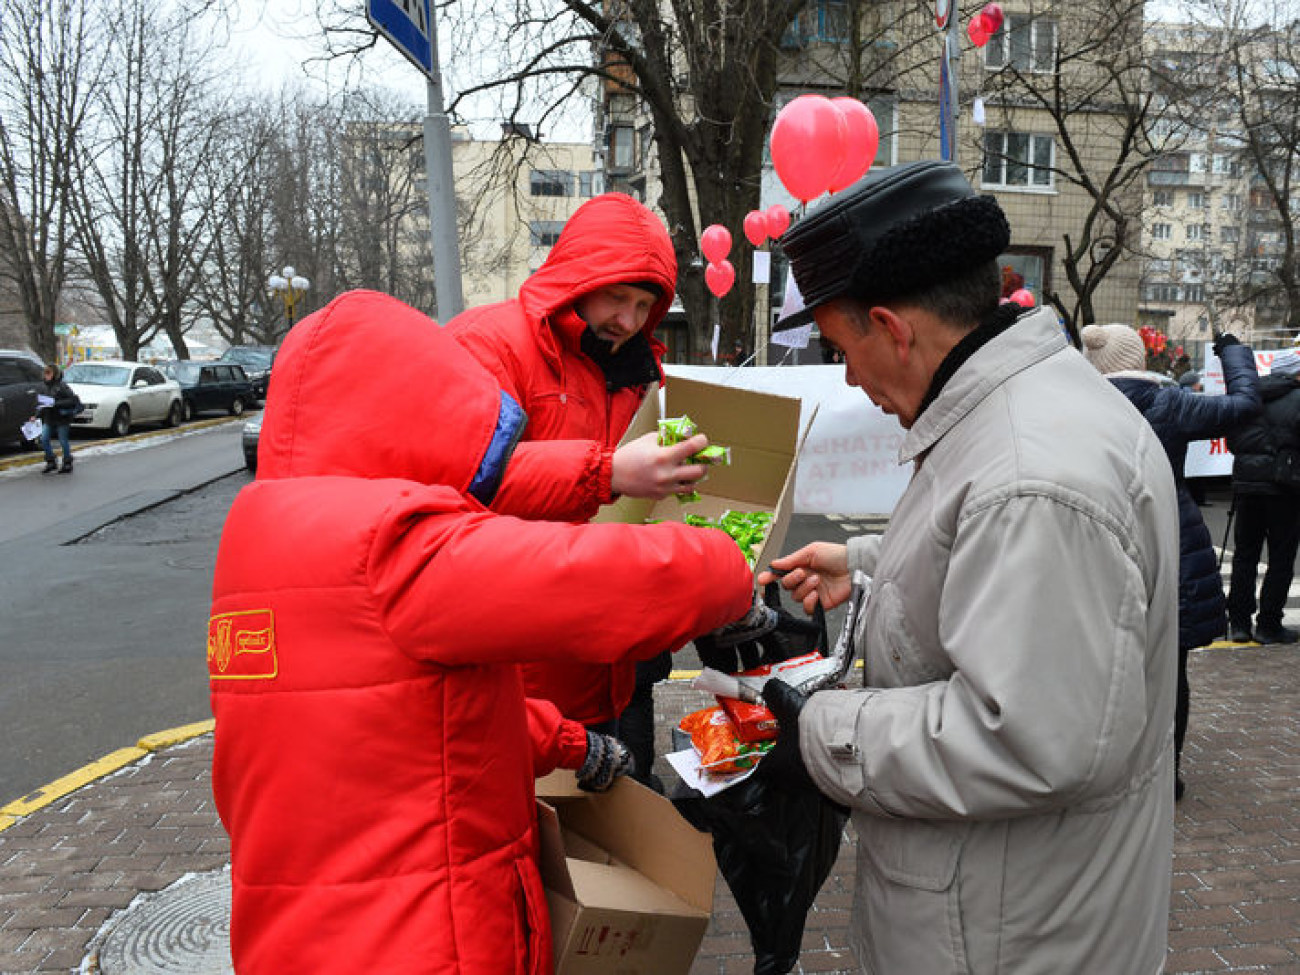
pixel 1010 764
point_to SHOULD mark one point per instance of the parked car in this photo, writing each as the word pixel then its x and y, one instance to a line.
pixel 207 386
pixel 21 380
pixel 252 433
pixel 117 395
pixel 256 360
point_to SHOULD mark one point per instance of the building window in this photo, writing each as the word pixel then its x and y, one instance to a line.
pixel 1231 201
pixel 1024 43
pixel 591 183
pixel 1162 292
pixel 551 182
pixel 1194 231
pixel 822 21
pixel 1161 231
pixel 1018 159
pixel 1159 267
pixel 1193 292
pixel 622 148
pixel 1196 200
pixel 544 233
pixel 1229 234
pixel 1162 198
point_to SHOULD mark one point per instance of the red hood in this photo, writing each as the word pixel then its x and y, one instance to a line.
pixel 610 239
pixel 369 387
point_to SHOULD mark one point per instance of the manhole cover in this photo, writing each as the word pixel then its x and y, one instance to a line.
pixel 182 930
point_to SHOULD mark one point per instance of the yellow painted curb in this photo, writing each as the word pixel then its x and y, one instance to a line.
pixel 174 736
pixel 111 762
pixel 73 781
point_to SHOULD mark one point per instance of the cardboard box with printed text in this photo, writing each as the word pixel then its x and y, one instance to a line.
pixel 629 883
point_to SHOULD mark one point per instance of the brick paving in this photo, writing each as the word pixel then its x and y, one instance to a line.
pixel 66 868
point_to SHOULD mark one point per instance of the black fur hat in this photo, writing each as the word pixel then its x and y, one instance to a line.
pixel 894 233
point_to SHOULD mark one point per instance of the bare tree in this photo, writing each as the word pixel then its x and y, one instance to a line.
pixel 149 179
pixel 48 65
pixel 1093 89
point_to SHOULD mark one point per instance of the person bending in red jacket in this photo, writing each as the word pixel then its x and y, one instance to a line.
pixel 375 751
pixel 577 350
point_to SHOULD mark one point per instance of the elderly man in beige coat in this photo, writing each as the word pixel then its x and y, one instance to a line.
pixel 1009 761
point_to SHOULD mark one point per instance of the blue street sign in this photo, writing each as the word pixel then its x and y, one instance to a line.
pixel 408 24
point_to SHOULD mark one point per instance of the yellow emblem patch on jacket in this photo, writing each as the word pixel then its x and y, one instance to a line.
pixel 241 646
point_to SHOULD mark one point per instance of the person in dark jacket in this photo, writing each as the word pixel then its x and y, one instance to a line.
pixel 1266 500
pixel 57 420
pixel 1179 416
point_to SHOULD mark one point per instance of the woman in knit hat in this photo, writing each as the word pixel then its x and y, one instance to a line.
pixel 1180 416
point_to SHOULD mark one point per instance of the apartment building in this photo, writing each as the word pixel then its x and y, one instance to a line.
pixel 1214 238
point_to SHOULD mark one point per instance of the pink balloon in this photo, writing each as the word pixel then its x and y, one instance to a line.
pixel 992 17
pixel 715 242
pixel 778 220
pixel 975 30
pixel 1023 297
pixel 807 145
pixel 720 277
pixel 860 143
pixel 756 227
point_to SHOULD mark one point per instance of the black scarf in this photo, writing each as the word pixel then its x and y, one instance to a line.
pixel 971 342
pixel 632 365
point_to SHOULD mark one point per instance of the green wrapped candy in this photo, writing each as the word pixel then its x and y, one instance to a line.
pixel 712 454
pixel 675 429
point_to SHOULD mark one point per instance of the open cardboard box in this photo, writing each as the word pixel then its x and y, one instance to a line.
pixel 763 433
pixel 629 883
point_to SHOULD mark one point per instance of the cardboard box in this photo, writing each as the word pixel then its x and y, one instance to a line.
pixel 763 433
pixel 629 883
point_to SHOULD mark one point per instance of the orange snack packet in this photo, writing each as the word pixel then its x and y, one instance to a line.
pixel 719 746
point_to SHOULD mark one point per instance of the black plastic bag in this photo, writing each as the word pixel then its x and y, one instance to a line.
pixel 774 847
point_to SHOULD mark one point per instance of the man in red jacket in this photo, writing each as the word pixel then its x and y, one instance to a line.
pixel 577 350
pixel 375 752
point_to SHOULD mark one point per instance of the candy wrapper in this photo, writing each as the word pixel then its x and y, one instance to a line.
pixel 720 747
pixel 747 528
pixel 675 429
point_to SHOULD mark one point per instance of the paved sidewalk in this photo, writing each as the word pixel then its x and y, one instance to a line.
pixel 69 867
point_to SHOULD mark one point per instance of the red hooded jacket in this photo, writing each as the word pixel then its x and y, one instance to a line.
pixel 373 763
pixel 531 344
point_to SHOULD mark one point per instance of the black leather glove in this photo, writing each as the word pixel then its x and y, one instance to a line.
pixel 777 636
pixel 1222 341
pixel 783 766
pixel 607 759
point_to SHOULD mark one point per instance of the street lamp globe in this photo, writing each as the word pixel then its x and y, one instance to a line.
pixel 291 287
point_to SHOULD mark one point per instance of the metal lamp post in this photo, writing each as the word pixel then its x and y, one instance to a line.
pixel 291 287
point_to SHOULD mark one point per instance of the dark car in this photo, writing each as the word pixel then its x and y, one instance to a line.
pixel 249 440
pixel 208 386
pixel 256 360
pixel 21 380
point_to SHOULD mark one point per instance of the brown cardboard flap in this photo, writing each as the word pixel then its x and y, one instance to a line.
pixel 551 863
pixel 642 829
pixel 618 886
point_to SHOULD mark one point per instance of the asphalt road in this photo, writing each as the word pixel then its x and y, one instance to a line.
pixel 103 625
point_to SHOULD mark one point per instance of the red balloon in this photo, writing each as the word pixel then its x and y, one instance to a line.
pixel 860 143
pixel 992 17
pixel 756 227
pixel 720 277
pixel 807 145
pixel 978 34
pixel 1023 297
pixel 778 220
pixel 715 242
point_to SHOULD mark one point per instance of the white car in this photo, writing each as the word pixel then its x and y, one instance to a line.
pixel 117 395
